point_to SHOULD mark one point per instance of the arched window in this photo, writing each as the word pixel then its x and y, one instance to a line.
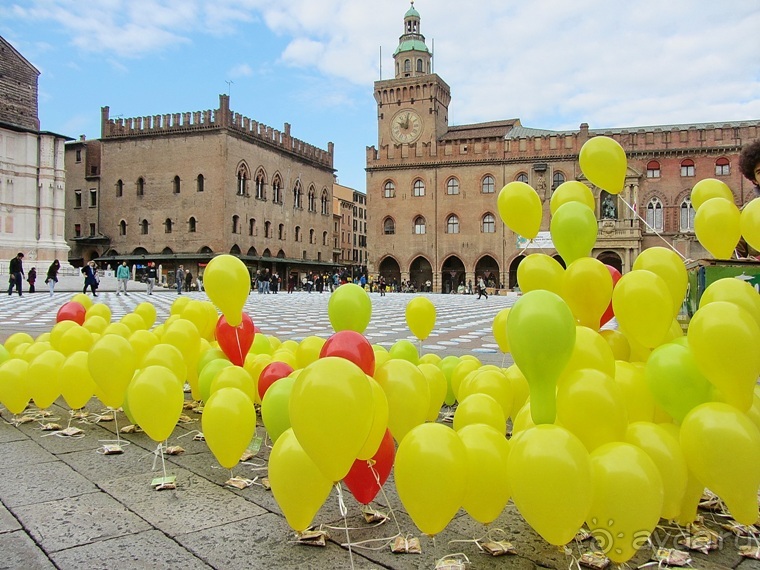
pixel 141 186
pixel 242 180
pixel 325 203
pixel 487 186
pixel 722 167
pixel 297 195
pixel 144 227
pixel 281 231
pixel 324 238
pixel 235 224
pixel 452 224
pixel 168 225
pixel 277 190
pixel 522 177
pixel 654 215
pixel 418 189
pixel 260 192
pixel 389 226
pixel 176 184
pixel 312 199
pixel 389 190
pixel 419 225
pixel 557 179
pixel 192 225
pixel 252 226
pixel 653 169
pixel 199 183
pixel 407 65
pixel 452 186
pixel 687 216
pixel 687 167
pixel 122 228
pixel 298 233
pixel 119 188
pixel 311 236
pixel 419 65
pixel 267 229
pixel 489 224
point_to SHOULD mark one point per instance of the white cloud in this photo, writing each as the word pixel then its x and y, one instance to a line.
pixel 240 70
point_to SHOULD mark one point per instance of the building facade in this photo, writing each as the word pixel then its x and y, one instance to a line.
pixel 32 177
pixel 351 233
pixel 432 188
pixel 181 188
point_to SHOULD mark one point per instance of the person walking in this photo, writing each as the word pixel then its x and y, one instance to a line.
pixel 291 282
pixel 90 278
pixel 52 276
pixel 482 288
pixel 199 282
pixel 381 286
pixel 152 276
pixel 179 278
pixel 122 277
pixel 16 274
pixel 31 278
pixel 188 281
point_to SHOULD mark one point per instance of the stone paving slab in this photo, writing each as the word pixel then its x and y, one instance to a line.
pixel 8 522
pixel 30 485
pixel 150 549
pixel 24 452
pixel 19 551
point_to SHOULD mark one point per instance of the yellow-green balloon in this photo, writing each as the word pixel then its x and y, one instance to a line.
pixel 349 308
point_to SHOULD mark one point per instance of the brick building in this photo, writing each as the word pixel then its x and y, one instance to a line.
pixel 432 188
pixel 32 178
pixel 352 230
pixel 180 188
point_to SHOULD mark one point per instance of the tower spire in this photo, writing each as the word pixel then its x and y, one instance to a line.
pixel 412 57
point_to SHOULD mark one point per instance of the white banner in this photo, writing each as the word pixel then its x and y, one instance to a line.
pixel 542 241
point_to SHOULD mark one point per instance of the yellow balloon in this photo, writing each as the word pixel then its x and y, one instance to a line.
pixel 687 513
pixel 142 341
pixel 492 382
pixel 590 351
pixel 331 412
pixel 118 329
pixel 184 335
pixel 44 337
pixel 499 329
pixel 734 291
pixel 717 227
pixel 349 308
pixel 56 333
pixel 587 290
pixel 77 385
pixel 291 346
pixel 618 343
pixel 298 485
pixel 227 283
pixel 420 317
pixel 228 424
pixel 540 271
pixel 112 365
pixel 254 364
pixel 522 420
pixel 669 265
pixel 134 321
pixel 379 422
pixel 639 402
pixel 431 476
pixel 749 223
pixel 430 358
pixel 14 386
pixel 437 388
pixel 572 191
pixel 147 312
pixel 519 387
pixel 83 300
pixel 204 320
pixel 707 189
pixel 98 309
pixel 460 372
pixel 168 356
pixel 480 409
pixel 155 401
pixel 541 331
pixel 275 343
pixel 285 356
pixel 591 405
pixel 520 209
pixel 308 350
pixel 408 395
pixel 643 307
pixel 724 339
pixel 34 350
pixel 573 229
pixel 76 338
pixel 234 377
pixel 487 474
pixel 603 162
pixel 722 448
pixel 95 324
pixel 665 451
pixel 628 499
pixel 17 339
pixel 178 305
pixel 43 377
pixel 550 476
pixel 261 345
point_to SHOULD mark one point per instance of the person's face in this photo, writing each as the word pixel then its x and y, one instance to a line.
pixel 757 173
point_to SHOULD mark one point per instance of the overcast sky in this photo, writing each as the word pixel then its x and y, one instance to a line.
pixel 551 63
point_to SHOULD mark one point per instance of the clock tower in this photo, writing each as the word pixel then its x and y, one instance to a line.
pixel 413 106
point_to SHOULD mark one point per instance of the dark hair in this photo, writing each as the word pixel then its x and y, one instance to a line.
pixel 20 254
pixel 749 159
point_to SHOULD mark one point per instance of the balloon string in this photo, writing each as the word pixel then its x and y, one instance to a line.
pixel 344 513
pixel 240 348
pixel 371 466
pixel 653 230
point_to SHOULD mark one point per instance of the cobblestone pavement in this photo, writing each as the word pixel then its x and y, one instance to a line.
pixel 64 504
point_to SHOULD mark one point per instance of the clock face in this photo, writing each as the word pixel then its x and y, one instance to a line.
pixel 406 126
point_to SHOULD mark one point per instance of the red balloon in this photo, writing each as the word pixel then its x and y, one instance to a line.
pixel 361 480
pixel 235 342
pixel 71 311
pixel 271 373
pixel 352 346
pixel 609 313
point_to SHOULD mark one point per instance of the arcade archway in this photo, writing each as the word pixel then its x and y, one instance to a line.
pixel 420 272
pixel 489 269
pixel 390 269
pixel 452 274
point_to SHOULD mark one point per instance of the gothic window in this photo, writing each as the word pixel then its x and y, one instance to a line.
pixel 522 177
pixel 251 226
pixel 276 191
pixel 487 186
pixel 489 224
pixel 141 186
pixel 119 188
pixel 176 185
pixel 452 224
pixel 687 216
pixel 267 229
pixel 235 224
pixel 324 238
pixel 654 215
pixel 281 231
pixel 389 190
pixel 242 180
pixel 144 227
pixel 199 182
pixel 298 233
pixel 452 186
pixel 557 179
pixel 312 199
pixel 418 189
pixel 260 193
pixel 419 225
pixel 722 167
pixel 122 228
pixel 168 225
pixel 687 167
pixel 325 203
pixel 297 195
pixel 191 225
pixel 311 236
pixel 653 169
pixel 389 227
pixel 407 65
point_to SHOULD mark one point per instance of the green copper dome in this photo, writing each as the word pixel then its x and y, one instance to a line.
pixel 412 13
pixel 411 45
